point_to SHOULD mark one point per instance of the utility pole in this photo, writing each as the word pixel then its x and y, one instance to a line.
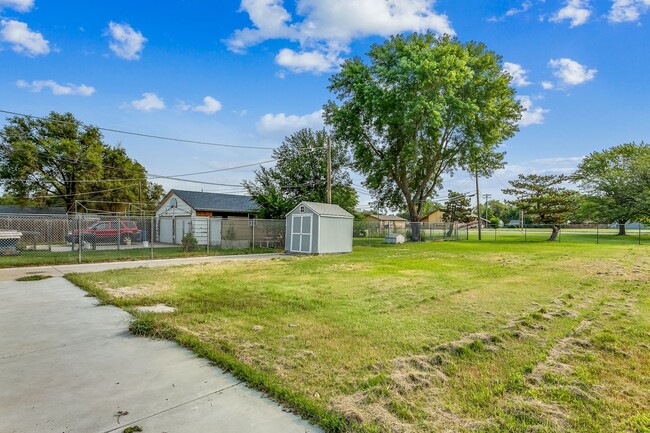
pixel 329 170
pixel 478 206
pixel 487 196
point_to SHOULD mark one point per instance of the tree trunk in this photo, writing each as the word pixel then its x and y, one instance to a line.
pixel 450 231
pixel 415 223
pixel 621 228
pixel 556 231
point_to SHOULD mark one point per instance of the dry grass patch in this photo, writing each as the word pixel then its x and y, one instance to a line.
pixel 462 336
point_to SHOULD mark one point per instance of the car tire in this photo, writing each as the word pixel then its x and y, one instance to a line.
pixel 126 240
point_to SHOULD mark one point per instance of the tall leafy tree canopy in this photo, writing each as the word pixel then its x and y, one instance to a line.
pixel 59 160
pixel 544 199
pixel 300 174
pixel 616 183
pixel 423 106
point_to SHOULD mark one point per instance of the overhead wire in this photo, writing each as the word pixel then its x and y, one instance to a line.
pixel 140 134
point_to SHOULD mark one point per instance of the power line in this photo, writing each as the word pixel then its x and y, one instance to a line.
pixel 224 169
pixel 80 193
pixel 140 134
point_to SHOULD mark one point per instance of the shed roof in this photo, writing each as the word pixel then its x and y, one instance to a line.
pixel 325 209
pixel 212 201
pixel 387 217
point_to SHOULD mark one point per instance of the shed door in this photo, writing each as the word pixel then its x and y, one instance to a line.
pixel 301 233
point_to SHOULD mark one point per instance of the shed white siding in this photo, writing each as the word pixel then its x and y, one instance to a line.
pixel 335 236
pixel 318 228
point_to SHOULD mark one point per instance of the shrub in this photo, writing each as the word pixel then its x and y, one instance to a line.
pixel 189 243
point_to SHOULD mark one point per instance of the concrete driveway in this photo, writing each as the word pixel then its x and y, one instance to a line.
pixel 67 365
pixel 58 270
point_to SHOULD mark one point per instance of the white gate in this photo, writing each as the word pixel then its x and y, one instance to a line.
pixel 215 231
pixel 301 233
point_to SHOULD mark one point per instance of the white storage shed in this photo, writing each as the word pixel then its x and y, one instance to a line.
pixel 319 228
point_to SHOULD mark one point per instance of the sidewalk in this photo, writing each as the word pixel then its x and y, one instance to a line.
pixel 8 274
pixel 69 365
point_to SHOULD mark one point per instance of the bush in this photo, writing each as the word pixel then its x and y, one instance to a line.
pixel 189 243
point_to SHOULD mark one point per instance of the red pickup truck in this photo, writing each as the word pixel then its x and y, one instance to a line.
pixel 106 232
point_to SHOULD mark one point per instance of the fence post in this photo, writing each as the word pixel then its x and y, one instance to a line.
pixel 151 237
pixel 559 236
pixel 597 233
pixel 639 233
pixel 495 232
pixel 49 233
pixel 119 233
pixel 525 233
pixel 79 239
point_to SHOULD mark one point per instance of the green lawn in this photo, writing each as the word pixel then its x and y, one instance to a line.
pixel 446 336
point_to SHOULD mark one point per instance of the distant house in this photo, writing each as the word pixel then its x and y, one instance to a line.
pixel 388 221
pixel 196 204
pixel 31 210
pixel 181 212
pixel 514 223
pixel 432 217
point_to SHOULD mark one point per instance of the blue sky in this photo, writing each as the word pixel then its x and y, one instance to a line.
pixel 250 72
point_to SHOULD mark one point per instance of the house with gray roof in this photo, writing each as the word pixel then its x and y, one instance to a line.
pixel 31 210
pixel 178 202
pixel 200 213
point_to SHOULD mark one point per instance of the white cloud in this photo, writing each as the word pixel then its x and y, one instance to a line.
pixel 547 85
pixel 183 106
pixel 627 10
pixel 577 11
pixel 270 21
pixel 126 42
pixel 307 61
pixel 517 73
pixel 281 124
pixel 325 29
pixel 209 106
pixel 56 88
pixel 22 39
pixel 524 8
pixel 532 115
pixel 17 5
pixel 149 102
pixel 570 72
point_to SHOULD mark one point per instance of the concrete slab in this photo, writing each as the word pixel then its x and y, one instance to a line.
pixel 70 366
pixel 8 274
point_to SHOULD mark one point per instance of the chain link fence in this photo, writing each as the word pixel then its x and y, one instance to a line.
pixel 79 238
pixel 583 233
pixel 375 233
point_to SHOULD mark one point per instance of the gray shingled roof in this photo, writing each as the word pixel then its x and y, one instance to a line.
pixel 31 210
pixel 325 209
pixel 212 201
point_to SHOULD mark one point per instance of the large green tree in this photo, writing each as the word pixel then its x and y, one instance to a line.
pixel 59 160
pixel 544 199
pixel 300 174
pixel 616 183
pixel 423 106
